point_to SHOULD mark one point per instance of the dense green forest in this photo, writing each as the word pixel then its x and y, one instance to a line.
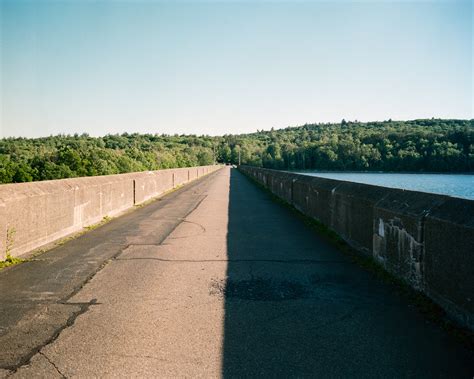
pixel 431 145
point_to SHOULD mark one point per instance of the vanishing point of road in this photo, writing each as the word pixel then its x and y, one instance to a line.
pixel 212 280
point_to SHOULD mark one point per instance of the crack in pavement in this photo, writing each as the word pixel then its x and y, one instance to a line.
pixel 26 359
pixel 203 230
pixel 182 361
pixel 52 364
pixel 289 261
pixel 4 373
pixel 100 268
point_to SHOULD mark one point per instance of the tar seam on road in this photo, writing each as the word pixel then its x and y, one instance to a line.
pixel 84 307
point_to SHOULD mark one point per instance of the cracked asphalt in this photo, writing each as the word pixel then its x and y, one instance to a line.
pixel 213 280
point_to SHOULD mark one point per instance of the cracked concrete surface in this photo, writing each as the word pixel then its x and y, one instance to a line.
pixel 153 318
pixel 40 366
pixel 35 300
pixel 222 282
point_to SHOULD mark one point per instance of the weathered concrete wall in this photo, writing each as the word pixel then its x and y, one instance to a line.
pixel 34 214
pixel 425 239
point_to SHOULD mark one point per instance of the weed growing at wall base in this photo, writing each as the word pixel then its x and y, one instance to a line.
pixel 9 259
pixel 104 220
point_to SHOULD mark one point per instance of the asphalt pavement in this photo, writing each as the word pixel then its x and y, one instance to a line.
pixel 213 280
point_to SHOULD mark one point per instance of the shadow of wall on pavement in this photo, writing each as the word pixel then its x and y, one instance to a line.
pixel 295 306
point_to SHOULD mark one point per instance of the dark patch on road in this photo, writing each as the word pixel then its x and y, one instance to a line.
pixel 260 289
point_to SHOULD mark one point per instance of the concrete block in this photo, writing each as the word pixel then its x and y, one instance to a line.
pixel 352 212
pixel 449 257
pixel 181 176
pixel 151 184
pixel 192 174
pixel 398 233
pixel 314 197
pixel 3 230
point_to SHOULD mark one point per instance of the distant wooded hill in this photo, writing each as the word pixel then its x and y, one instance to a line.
pixel 432 145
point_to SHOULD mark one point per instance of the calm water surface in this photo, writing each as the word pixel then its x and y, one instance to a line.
pixel 446 184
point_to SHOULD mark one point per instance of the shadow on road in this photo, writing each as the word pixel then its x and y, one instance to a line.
pixel 294 306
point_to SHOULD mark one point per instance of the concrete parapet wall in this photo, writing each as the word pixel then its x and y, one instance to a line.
pixel 37 213
pixel 425 239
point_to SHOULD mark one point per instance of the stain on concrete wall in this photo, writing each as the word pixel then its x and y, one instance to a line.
pixel 392 237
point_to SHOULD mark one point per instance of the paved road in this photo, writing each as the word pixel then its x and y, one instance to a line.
pixel 214 280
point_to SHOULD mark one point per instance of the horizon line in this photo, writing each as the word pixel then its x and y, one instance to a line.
pixel 356 121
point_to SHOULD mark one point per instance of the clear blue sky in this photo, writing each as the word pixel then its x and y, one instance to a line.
pixel 229 67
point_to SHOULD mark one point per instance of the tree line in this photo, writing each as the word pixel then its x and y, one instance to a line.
pixel 429 145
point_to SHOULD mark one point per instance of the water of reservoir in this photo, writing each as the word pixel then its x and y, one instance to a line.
pixel 447 184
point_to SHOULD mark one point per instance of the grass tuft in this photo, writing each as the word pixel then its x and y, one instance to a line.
pixel 10 261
